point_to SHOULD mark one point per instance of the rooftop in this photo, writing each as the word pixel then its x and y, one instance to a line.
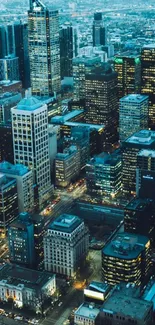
pixel 143 137
pixel 146 153
pixel 149 46
pixel 18 169
pixel 16 275
pixel 29 104
pixel 62 119
pixel 5 181
pixel 134 98
pixel 125 246
pixel 65 223
pixel 91 126
pixel 138 204
pixel 105 159
pixel 11 97
pixel 67 153
pixel 128 306
pixel 87 310
pixel 87 60
pixel 99 286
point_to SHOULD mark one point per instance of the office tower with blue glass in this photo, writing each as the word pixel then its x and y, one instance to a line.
pixel 31 143
pixel 99 30
pixel 44 49
pixel 8 201
pixel 133 115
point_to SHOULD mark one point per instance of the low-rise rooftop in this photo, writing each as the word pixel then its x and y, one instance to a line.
pixel 128 306
pixel 143 137
pixel 138 204
pixel 146 153
pixel 18 169
pixel 17 275
pixel 87 310
pixel 62 119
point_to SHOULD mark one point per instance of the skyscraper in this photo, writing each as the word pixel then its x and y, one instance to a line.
pixel 9 68
pixel 82 66
pixel 102 100
pixel 31 142
pixel 128 67
pixel 99 31
pixel 21 51
pixel 145 174
pixel 68 49
pixel 133 115
pixel 44 49
pixel 147 81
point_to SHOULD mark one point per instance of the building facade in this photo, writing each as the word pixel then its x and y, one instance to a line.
pixel 44 49
pixel 133 115
pixel 65 245
pixel 31 143
pixel 9 68
pixel 67 166
pixel 99 30
pixel 126 258
pixel 26 288
pixel 103 175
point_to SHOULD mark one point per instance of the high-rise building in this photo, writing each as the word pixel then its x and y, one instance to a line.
pixel 44 49
pixel 68 49
pixel 133 115
pixel 143 139
pixel 147 75
pixel 82 66
pixel 103 175
pixel 9 68
pixel 67 166
pixel 145 174
pixel 21 51
pixel 6 143
pixel 31 143
pixel 128 67
pixel 3 51
pixel 39 231
pixel 99 30
pixel 8 201
pixel 21 240
pixel 24 178
pixel 101 95
pixel 126 258
pixel 139 218
pixel 65 245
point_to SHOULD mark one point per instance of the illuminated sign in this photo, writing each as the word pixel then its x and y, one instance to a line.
pixel 137 60
pixel 93 294
pixel 148 177
pixel 118 60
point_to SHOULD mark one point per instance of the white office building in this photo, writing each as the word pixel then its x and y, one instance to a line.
pixel 24 178
pixel 65 244
pixel 133 115
pixel 31 143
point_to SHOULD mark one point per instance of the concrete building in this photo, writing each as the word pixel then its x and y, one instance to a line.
pixel 7 101
pixel 67 166
pixel 31 143
pixel 133 115
pixel 125 308
pixel 87 314
pixel 26 288
pixel 143 139
pixel 8 201
pixel 44 49
pixel 103 175
pixel 97 292
pixel 126 258
pixel 65 245
pixel 24 179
